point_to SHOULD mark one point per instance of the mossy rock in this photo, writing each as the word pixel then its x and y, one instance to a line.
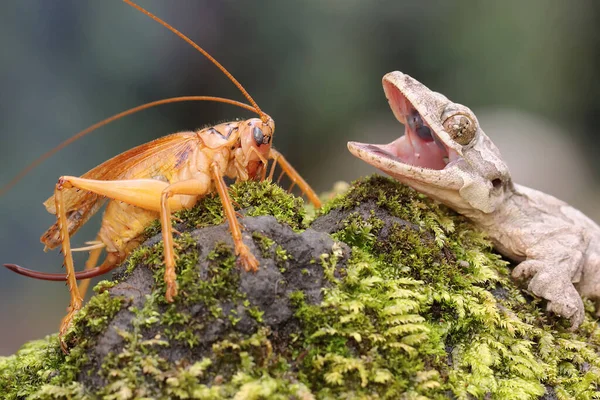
pixel 384 295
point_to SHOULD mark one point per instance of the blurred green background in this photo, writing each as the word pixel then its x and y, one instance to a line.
pixel 528 69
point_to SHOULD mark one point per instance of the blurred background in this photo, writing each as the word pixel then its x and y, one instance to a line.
pixel 530 71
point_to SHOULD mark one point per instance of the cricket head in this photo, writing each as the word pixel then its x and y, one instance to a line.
pixel 442 153
pixel 256 136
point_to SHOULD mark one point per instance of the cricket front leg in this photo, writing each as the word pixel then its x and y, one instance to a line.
pixel 296 178
pixel 249 262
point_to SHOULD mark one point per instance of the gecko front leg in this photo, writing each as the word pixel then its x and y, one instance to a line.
pixel 553 265
pixel 553 284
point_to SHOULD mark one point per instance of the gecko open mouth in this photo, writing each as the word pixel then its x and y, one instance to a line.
pixel 419 146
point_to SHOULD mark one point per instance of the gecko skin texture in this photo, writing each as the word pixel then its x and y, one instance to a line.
pixel 445 155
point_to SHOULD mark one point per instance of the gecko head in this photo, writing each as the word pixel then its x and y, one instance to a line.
pixel 442 153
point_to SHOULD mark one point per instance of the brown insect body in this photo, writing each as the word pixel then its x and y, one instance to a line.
pixel 173 158
pixel 151 181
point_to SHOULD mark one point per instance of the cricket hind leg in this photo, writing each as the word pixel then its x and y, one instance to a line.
pixel 76 300
pixel 143 193
pixel 155 195
pixel 295 177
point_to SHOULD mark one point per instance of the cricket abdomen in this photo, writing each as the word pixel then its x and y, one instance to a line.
pixel 123 223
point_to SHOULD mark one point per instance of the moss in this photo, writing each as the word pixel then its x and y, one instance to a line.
pixel 422 309
pixel 270 249
pixel 455 334
pixel 40 370
pixel 22 374
pixel 219 284
pixel 252 198
pixel 94 318
pixel 358 232
pixel 264 243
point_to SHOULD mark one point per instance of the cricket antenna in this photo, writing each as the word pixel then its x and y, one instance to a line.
pixel 4 189
pixel 254 108
pixel 263 116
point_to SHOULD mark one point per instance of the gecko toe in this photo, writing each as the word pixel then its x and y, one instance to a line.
pixel 563 298
pixel 577 319
pixel 527 269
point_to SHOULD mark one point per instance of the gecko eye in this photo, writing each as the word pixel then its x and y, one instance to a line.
pixel 461 128
pixel 258 135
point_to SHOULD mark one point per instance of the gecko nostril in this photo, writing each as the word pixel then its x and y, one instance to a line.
pixel 496 183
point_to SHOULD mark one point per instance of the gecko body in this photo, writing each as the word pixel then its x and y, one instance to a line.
pixel 445 154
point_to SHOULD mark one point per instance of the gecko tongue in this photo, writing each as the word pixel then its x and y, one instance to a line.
pixel 411 149
pixel 419 146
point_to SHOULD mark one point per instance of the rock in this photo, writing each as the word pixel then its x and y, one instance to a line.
pixel 252 300
pixel 385 295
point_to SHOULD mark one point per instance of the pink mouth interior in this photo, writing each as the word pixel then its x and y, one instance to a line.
pixel 419 146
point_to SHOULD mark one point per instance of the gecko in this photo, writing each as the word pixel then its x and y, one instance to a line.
pixel 445 155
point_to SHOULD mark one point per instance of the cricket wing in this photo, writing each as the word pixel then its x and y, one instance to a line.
pixel 158 158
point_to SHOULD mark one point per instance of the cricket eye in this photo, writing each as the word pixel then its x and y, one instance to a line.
pixel 258 135
pixel 461 128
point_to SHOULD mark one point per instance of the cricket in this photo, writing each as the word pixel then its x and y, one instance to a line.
pixel 150 182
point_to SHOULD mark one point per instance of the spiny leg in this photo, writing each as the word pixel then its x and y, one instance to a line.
pixel 153 195
pixel 143 193
pixel 246 257
pixel 294 176
pixel 188 187
pixel 76 299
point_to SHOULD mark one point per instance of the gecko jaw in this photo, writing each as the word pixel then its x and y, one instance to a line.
pixel 420 157
pixel 419 145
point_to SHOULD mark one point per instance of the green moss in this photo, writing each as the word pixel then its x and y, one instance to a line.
pixel 94 318
pixel 358 232
pixel 270 249
pixel 368 335
pixel 22 374
pixel 264 243
pixel 426 311
pixel 219 284
pixel 255 198
pixel 399 200
pixel 40 370
pixel 256 313
pixel 423 302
